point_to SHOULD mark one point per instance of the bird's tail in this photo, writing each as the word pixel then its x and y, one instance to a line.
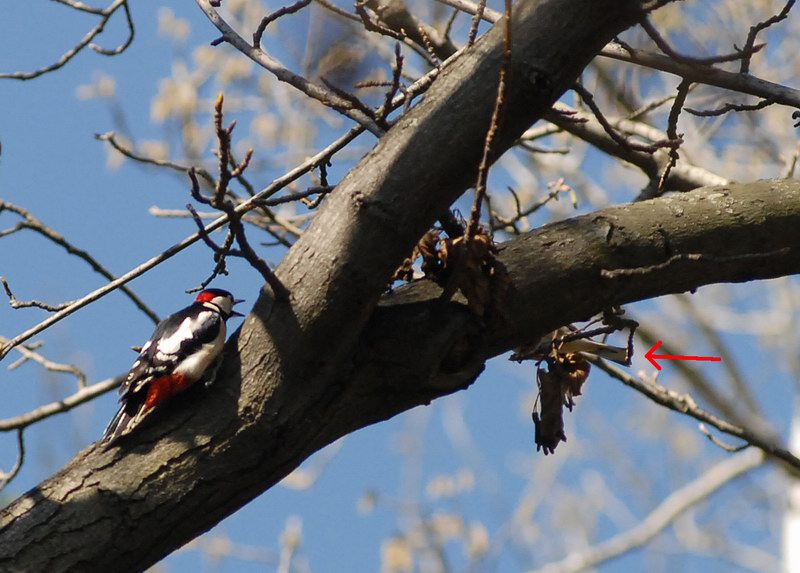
pixel 127 418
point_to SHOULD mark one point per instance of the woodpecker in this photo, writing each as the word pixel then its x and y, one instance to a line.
pixel 185 347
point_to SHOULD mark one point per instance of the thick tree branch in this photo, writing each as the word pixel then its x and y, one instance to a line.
pixel 306 371
pixel 206 457
pixel 682 177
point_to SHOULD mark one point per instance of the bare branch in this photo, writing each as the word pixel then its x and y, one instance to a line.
pixel 588 98
pixel 749 43
pixel 394 14
pixel 28 353
pixel 105 16
pixel 312 90
pixel 269 18
pixel 373 25
pixel 218 251
pixel 483 168
pixel 219 202
pixel 15 303
pixel 728 107
pixel 83 395
pixel 394 85
pixel 707 75
pixel 110 138
pixel 6 477
pixel 251 203
pixel 719 443
pixel 682 177
pixel 684 404
pixel 673 135
pixel 320 190
pixel 661 517
pixel 476 20
pixel 34 224
pixel 664 46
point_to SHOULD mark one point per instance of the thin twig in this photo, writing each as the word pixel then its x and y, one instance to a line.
pixel 588 99
pixel 664 46
pixel 373 25
pixel 661 517
pixel 352 100
pixel 105 16
pixel 314 91
pixel 758 28
pixel 81 396
pixel 394 86
pixel 124 45
pixel 719 443
pixel 647 108
pixel 684 404
pixel 728 107
pixel 688 257
pixel 29 354
pixel 242 208
pixel 6 477
pixel 32 223
pixel 269 18
pixel 320 190
pixel 707 75
pixel 16 303
pixel 483 168
pixel 81 7
pixel 317 160
pixel 448 26
pixel 110 138
pixel 338 11
pixel 220 251
pixel 673 135
pixel 219 202
pixel 476 20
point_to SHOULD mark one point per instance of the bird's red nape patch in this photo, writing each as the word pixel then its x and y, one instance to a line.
pixel 205 296
pixel 162 389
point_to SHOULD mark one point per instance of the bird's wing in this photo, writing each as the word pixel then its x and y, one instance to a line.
pixel 177 336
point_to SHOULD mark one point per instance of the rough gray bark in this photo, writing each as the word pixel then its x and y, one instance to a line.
pixel 301 374
pixel 209 456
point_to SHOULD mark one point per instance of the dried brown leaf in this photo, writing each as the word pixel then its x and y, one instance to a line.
pixel 428 250
pixel 405 272
pixel 473 264
pixel 549 425
pixel 572 371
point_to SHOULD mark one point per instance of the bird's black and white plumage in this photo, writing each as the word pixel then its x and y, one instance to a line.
pixel 184 349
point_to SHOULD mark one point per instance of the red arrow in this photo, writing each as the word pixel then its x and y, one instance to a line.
pixel 651 356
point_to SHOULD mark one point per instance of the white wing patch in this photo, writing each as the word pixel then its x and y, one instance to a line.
pixel 195 365
pixel 170 346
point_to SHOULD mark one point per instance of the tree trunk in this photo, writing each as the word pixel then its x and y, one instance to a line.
pixel 208 455
pixel 300 374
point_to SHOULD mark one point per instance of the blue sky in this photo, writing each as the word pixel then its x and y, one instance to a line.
pixel 52 165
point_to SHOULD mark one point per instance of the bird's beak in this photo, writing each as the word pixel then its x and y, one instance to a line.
pixel 233 312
